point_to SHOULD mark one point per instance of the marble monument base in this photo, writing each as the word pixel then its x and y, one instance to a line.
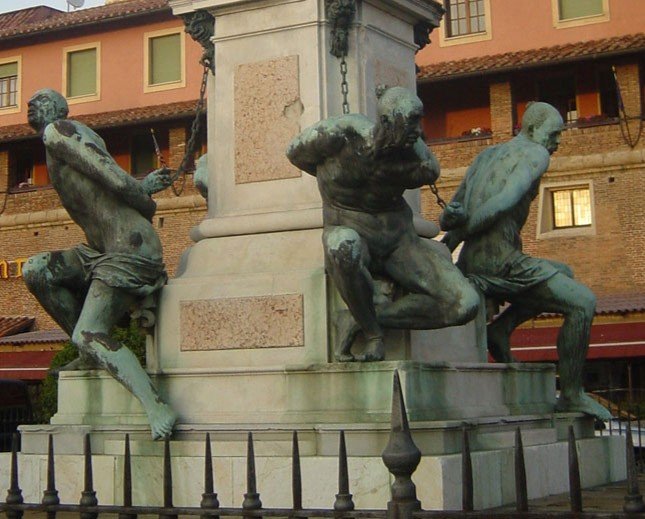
pixel 319 401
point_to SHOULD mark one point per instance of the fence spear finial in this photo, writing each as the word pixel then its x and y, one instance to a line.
pixel 344 502
pixel 14 494
pixel 88 496
pixel 633 499
pixel 401 456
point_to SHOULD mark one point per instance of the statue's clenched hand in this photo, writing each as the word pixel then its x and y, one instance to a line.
pixel 157 180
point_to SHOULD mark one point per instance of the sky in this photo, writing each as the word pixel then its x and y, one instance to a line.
pixel 14 5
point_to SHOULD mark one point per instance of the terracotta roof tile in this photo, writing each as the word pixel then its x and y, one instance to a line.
pixel 613 304
pixel 39 337
pixel 15 19
pixel 534 57
pixel 12 324
pixel 621 303
pixel 116 118
pixel 83 17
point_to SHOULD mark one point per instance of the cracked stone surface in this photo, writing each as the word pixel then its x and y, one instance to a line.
pixel 267 117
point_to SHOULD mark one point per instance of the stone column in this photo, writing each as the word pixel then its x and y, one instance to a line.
pixel 252 294
pixel 628 79
pixel 4 171
pixel 501 110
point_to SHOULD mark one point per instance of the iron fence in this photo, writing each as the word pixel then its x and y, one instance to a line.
pixel 10 419
pixel 401 457
pixel 626 416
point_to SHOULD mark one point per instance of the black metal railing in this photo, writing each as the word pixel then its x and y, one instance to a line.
pixel 401 457
pixel 10 419
pixel 626 416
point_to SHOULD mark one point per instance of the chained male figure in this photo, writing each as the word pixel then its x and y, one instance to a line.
pixel 487 213
pixel 89 289
pixel 363 169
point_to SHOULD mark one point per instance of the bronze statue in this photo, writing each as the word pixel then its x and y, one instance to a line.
pixel 362 170
pixel 89 289
pixel 487 214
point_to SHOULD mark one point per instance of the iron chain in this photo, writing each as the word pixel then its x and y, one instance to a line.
pixel 344 87
pixel 440 201
pixel 195 127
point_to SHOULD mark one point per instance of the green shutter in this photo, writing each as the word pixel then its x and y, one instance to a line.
pixel 81 73
pixel 578 8
pixel 165 59
pixel 9 69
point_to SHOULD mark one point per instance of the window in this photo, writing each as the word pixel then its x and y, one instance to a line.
pixel 164 63
pixel 143 158
pixel 465 17
pixel 566 210
pixel 466 21
pixel 9 84
pixel 561 93
pixel 81 74
pixel 570 13
pixel 568 9
pixel 571 207
pixel 27 166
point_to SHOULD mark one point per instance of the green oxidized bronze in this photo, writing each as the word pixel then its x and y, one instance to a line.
pixel 340 14
pixel 200 25
pixel 487 213
pixel 363 169
pixel 90 288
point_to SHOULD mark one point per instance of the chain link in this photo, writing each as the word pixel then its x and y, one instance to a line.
pixel 344 87
pixel 440 201
pixel 195 128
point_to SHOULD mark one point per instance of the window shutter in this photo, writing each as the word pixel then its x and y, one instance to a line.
pixel 81 73
pixel 165 59
pixel 8 69
pixel 578 8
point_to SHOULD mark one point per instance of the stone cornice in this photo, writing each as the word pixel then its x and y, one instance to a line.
pixel 571 164
pixel 60 216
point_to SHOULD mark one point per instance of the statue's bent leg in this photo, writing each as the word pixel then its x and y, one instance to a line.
pixel 498 333
pixel 103 307
pixel 439 295
pixel 50 276
pixel 346 259
pixel 577 303
pixel 56 280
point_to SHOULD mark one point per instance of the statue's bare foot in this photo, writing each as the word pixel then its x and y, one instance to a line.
pixel 498 346
pixel 346 331
pixel 374 350
pixel 82 362
pixel 583 403
pixel 162 419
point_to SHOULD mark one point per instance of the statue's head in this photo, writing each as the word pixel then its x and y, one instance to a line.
pixel 543 124
pixel 44 107
pixel 399 111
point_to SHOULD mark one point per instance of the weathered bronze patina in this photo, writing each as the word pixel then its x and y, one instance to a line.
pixel 487 214
pixel 90 288
pixel 362 170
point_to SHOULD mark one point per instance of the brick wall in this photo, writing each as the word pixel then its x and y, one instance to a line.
pixel 501 110
pixel 610 261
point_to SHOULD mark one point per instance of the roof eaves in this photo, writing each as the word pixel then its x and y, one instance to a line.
pixel 527 66
pixel 37 31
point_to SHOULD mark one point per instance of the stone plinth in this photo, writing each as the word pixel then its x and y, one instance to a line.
pixel 316 394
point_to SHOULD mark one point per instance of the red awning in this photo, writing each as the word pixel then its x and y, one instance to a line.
pixel 620 340
pixel 25 365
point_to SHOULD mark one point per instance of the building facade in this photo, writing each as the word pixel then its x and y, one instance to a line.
pixel 586 57
pixel 127 70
